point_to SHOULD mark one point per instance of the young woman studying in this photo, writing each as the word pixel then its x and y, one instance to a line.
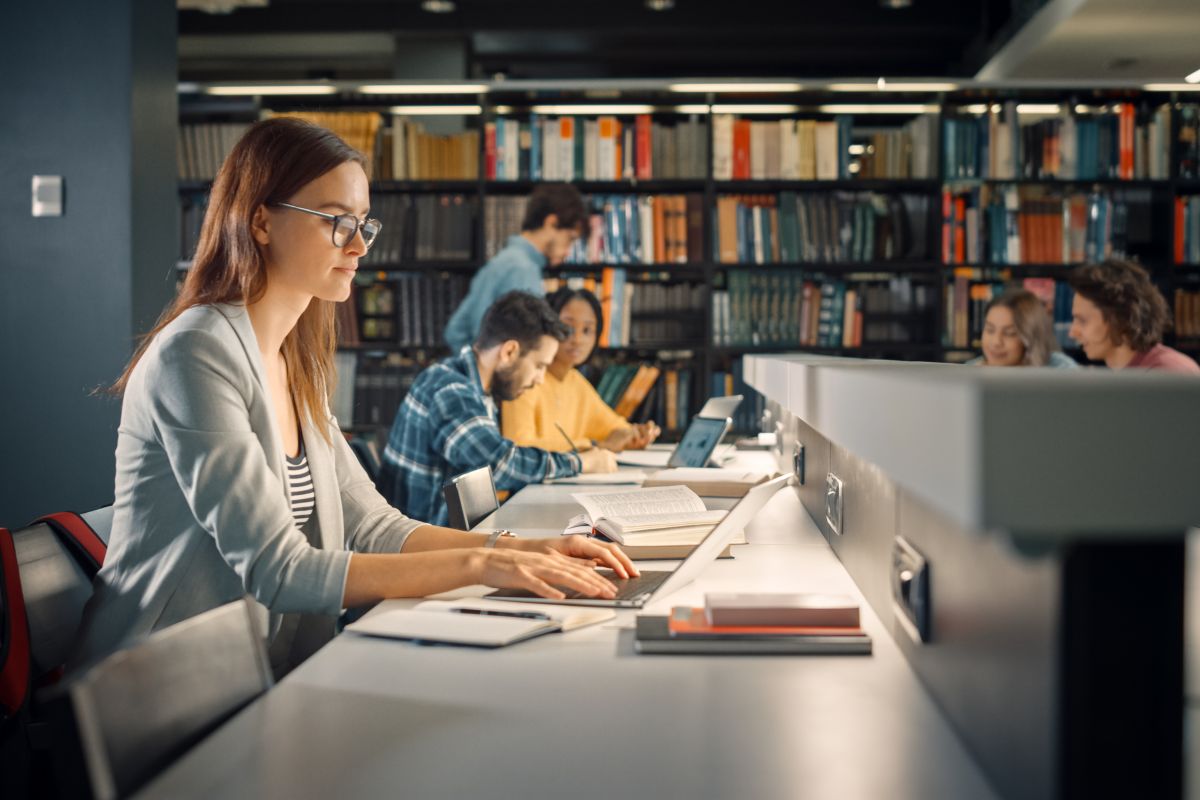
pixel 1018 332
pixel 232 478
pixel 566 406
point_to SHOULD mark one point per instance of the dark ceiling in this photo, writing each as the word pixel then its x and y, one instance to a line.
pixel 618 38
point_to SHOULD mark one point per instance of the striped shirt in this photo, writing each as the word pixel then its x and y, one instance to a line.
pixel 304 499
pixel 447 426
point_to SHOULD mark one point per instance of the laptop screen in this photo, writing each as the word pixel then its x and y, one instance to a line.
pixel 698 442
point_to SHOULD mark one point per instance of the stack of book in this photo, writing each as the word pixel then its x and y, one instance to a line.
pixel 1065 145
pixel 789 307
pixel 408 153
pixel 845 227
pixel 758 623
pixel 604 149
pixel 423 227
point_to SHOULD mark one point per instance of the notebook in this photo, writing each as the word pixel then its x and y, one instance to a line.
pixel 476 622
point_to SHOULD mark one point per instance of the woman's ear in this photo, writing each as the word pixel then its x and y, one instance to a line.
pixel 260 226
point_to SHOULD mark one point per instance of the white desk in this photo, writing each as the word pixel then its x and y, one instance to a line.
pixel 579 715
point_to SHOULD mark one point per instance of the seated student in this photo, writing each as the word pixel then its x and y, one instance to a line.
pixel 1118 317
pixel 566 398
pixel 232 478
pixel 554 218
pixel 447 422
pixel 1018 332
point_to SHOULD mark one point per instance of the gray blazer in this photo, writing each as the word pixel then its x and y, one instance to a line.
pixel 201 514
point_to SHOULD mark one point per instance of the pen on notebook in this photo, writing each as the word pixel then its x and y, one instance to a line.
pixel 487 612
pixel 574 449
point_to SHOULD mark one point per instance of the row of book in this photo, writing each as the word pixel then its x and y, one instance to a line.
pixel 1034 225
pixel 192 208
pixel 359 129
pixel 370 388
pixel 642 229
pixel 201 147
pixel 819 149
pixel 642 392
pixel 605 148
pixel 409 309
pixel 791 307
pixel 423 227
pixel 1121 144
pixel 635 313
pixel 969 292
pixel 812 227
pixel 1187 313
pixel 1187 230
pixel 408 153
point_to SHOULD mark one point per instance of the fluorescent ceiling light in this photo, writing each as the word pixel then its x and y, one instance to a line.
pixel 883 85
pixel 615 108
pixel 697 108
pixel 754 108
pixel 742 88
pixel 877 108
pixel 857 149
pixel 503 109
pixel 1172 87
pixel 976 108
pixel 1038 108
pixel 1194 77
pixel 430 88
pixel 263 89
pixel 435 111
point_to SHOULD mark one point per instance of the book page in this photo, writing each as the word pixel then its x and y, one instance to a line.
pixel 631 506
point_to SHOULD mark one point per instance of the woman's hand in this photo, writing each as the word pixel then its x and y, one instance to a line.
pixel 542 572
pixel 604 554
pixel 643 434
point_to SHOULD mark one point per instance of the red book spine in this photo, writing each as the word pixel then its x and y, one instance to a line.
pixel 489 151
pixel 1180 222
pixel 645 168
pixel 741 149
pixel 947 227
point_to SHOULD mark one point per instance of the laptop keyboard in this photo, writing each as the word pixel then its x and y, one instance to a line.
pixel 627 588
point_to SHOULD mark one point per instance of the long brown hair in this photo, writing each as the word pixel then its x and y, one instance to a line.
pixel 271 163
pixel 1033 323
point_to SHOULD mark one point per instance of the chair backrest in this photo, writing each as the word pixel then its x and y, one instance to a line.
pixel 129 716
pixel 470 497
pixel 366 456
pixel 47 568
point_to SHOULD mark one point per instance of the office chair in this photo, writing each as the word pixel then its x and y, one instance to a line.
pixel 470 497
pixel 46 571
pixel 366 456
pixel 121 722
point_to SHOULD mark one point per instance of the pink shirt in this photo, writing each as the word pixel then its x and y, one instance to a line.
pixel 1165 359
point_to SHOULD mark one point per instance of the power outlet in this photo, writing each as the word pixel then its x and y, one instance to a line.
pixel 798 463
pixel 834 502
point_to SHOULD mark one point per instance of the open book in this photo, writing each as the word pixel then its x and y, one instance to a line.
pixel 663 515
pixel 474 621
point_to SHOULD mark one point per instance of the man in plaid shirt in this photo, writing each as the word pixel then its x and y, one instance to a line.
pixel 447 423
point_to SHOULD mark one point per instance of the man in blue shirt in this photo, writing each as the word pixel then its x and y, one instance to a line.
pixel 555 217
pixel 447 423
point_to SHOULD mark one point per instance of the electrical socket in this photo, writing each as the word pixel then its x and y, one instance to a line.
pixel 834 501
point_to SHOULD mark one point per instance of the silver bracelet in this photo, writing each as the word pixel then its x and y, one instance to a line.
pixel 496 535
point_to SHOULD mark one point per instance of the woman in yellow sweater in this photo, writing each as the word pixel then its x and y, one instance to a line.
pixel 566 397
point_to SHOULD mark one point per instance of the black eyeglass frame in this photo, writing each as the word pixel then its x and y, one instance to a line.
pixel 359 225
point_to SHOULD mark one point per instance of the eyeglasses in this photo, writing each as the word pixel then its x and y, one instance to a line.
pixel 345 226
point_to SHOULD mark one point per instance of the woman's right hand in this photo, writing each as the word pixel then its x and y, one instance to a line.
pixel 542 574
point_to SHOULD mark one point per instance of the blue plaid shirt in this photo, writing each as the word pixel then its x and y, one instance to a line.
pixel 447 426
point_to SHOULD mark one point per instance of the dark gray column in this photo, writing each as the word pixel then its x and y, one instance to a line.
pixel 91 97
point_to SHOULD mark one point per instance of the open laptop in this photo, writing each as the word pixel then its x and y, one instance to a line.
pixel 695 448
pixel 637 592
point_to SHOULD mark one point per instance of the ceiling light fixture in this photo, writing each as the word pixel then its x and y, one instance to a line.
pixel 660 5
pixel 883 85
pixel 1194 77
pixel 754 108
pixel 436 111
pixel 1038 108
pixel 439 6
pixel 697 108
pixel 429 88
pixel 878 108
pixel 580 108
pixel 251 90
pixel 739 88
pixel 1172 87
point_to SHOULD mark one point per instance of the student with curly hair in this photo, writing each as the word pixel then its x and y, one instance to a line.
pixel 1118 317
